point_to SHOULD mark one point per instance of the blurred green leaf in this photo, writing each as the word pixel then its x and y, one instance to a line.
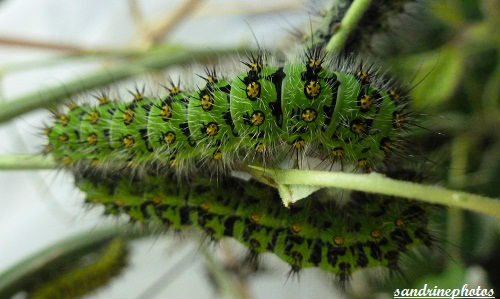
pixel 438 74
pixel 448 12
pixel 452 277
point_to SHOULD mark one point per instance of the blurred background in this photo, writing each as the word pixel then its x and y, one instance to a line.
pixel 447 50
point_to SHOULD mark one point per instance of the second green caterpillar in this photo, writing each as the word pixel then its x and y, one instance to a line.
pixel 369 231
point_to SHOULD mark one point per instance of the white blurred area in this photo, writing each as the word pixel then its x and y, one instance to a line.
pixel 39 208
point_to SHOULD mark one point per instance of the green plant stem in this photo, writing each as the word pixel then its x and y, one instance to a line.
pixel 281 179
pixel 348 24
pixel 26 162
pixel 155 59
pixel 378 183
pixel 456 178
pixel 90 55
pixel 322 33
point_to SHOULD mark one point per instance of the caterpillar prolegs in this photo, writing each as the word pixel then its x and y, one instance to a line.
pixel 369 231
pixel 332 110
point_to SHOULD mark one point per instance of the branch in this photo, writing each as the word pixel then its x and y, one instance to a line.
pixel 155 59
pixel 377 183
pixel 348 24
pixel 26 162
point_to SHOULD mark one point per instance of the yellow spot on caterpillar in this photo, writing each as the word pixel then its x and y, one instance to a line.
pixel 338 153
pixel 128 116
pixel 309 115
pixel 314 63
pixel 260 147
pixel 119 202
pixel 92 139
pixel 339 240
pixel 156 200
pixel 253 90
pixel 313 88
pixel 363 76
pixel 169 137
pixel 217 155
pixel 67 160
pixel 255 67
pixel 212 129
pixel 95 162
pixel 398 120
pixel 205 206
pixel 299 143
pixel 365 102
pixel 94 117
pixel 376 234
pixel 358 127
pixel 255 217
pixel 72 106
pixel 138 96
pixel 395 96
pixel 166 112
pixel 63 120
pixel 128 141
pixel 103 100
pixel 207 101
pixel 175 90
pixel 296 228
pixel 47 131
pixel 399 222
pixel 386 144
pixel 363 162
pixel 64 138
pixel 257 118
pixel 212 79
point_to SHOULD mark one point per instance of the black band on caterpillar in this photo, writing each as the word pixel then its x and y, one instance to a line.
pixel 369 231
pixel 343 114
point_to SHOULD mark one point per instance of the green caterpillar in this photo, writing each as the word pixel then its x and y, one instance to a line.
pixel 74 274
pixel 335 113
pixel 369 231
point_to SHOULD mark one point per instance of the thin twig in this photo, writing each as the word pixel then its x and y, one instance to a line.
pixel 161 30
pixel 170 275
pixel 70 49
pixel 213 9
pixel 38 44
pixel 137 15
